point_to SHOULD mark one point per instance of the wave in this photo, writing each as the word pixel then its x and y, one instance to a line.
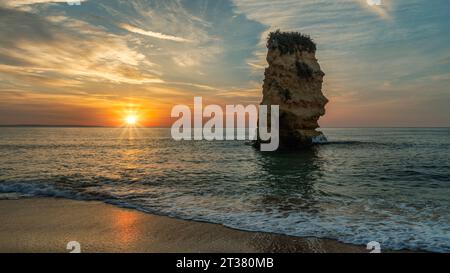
pixel 42 190
pixel 391 234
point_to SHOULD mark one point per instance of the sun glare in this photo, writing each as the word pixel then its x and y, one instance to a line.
pixel 131 120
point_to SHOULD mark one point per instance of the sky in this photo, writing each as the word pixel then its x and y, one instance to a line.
pixel 386 65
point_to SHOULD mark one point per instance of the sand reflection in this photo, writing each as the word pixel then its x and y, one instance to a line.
pixel 126 227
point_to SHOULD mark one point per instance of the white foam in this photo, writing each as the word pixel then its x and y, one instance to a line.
pixel 395 231
pixel 320 139
pixel 32 189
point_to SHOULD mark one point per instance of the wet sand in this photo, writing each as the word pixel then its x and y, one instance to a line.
pixel 47 225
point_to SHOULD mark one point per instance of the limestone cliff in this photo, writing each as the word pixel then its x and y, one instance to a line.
pixel 293 81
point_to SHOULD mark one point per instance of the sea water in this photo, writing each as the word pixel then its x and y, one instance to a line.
pixel 366 184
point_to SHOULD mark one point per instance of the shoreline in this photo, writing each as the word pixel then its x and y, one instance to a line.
pixel 48 224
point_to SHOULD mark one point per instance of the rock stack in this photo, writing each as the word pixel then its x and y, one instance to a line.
pixel 293 81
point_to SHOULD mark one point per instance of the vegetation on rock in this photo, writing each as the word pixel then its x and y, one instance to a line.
pixel 287 42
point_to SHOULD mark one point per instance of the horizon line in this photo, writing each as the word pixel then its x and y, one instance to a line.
pixel 163 127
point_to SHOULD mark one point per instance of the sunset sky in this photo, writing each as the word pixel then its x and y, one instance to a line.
pixel 91 64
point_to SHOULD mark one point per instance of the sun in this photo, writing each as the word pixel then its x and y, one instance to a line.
pixel 131 120
pixel 131 117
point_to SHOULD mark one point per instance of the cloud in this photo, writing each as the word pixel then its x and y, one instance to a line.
pixel 360 47
pixel 152 34
pixel 184 60
pixel 167 50
pixel 205 42
pixel 384 10
pixel 18 3
pixel 70 49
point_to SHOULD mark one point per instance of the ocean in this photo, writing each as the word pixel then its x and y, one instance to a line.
pixel 390 185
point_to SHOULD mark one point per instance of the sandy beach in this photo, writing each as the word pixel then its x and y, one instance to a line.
pixel 47 225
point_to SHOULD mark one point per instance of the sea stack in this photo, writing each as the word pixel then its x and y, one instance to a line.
pixel 293 81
